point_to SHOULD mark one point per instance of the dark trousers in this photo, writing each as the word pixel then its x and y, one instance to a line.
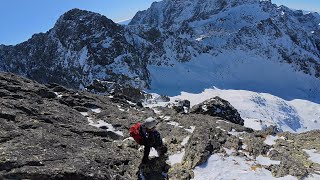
pixel 154 140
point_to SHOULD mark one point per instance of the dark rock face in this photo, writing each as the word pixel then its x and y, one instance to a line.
pixel 81 47
pixel 219 108
pixel 125 92
pixel 44 136
pixel 51 132
pixel 182 106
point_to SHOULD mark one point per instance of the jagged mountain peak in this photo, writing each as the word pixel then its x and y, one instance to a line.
pixel 81 23
pixel 81 15
pixel 228 36
pixel 171 12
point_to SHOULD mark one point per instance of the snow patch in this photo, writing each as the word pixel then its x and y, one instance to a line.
pixel 166 118
pixel 192 128
pixel 185 141
pixel 314 155
pixel 156 111
pixel 219 167
pixel 218 127
pixel 58 95
pixel 174 124
pixel 176 158
pixel 260 110
pixel 101 123
pixel 266 161
pixel 271 140
pixel 97 110
pixel 120 108
pixel 84 114
pixel 235 133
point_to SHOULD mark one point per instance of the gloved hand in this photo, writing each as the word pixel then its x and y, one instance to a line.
pixel 162 150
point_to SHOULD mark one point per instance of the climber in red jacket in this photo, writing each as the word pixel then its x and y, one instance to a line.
pixel 146 134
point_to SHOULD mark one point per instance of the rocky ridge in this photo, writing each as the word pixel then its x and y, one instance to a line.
pixel 50 132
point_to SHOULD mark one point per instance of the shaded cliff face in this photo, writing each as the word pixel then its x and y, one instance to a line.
pixel 253 26
pixel 243 42
pixel 81 47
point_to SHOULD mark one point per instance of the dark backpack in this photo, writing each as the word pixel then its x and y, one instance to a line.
pixel 135 133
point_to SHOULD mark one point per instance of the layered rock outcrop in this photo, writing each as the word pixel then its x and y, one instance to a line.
pixel 51 132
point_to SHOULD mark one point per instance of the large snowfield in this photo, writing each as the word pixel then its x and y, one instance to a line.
pixel 259 110
pixel 264 92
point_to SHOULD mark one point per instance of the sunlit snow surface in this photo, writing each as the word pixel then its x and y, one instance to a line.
pixel 260 110
pixel 176 158
pixel 219 167
pixel 314 155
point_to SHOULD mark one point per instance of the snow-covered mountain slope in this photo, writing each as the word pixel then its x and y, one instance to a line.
pixel 235 70
pixel 252 45
pixel 260 110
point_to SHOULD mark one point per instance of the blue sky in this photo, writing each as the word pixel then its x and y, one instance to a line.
pixel 20 19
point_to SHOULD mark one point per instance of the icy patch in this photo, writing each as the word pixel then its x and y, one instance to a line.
pixel 314 156
pixel 156 111
pixel 185 109
pixel 218 127
pixel 271 140
pixel 174 124
pixel 153 153
pixel 166 118
pixel 176 158
pixel 120 109
pixel 131 103
pixel 98 110
pixel 223 121
pixel 205 108
pixel 192 128
pixel 185 141
pixel 101 123
pixel 84 114
pixel 235 133
pixel 58 95
pixel 266 161
pixel 219 167
pixel 200 38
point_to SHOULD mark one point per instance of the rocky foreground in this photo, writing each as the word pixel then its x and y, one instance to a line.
pixel 50 132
